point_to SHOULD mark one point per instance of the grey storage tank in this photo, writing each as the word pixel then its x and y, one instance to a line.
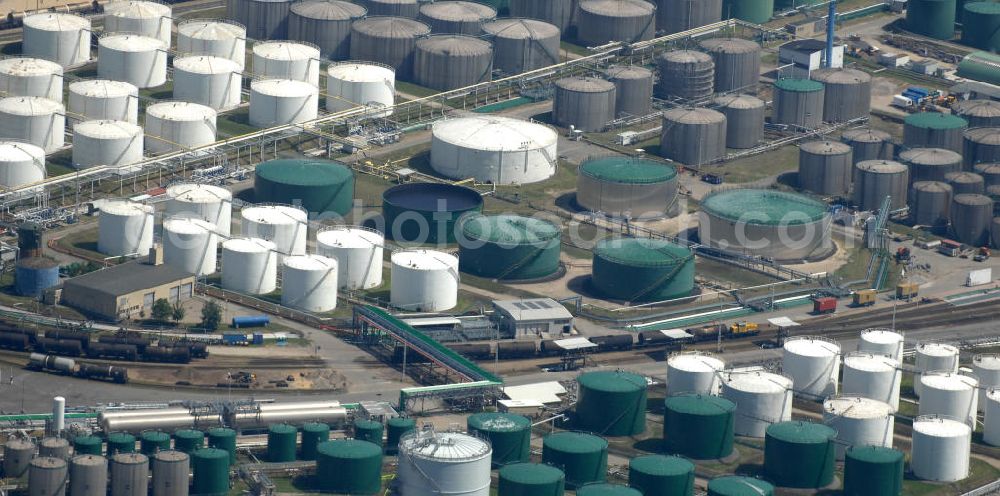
pixel 930 203
pixel 930 164
pixel 847 93
pixel 603 21
pixel 744 119
pixel 170 473
pixel 693 136
pixel 995 232
pixel 798 103
pixel 449 61
pixel 129 474
pixel 869 144
pixel 387 40
pixel 989 171
pixel 737 62
pixel 825 167
pixel 685 74
pixel 586 103
pixel 17 455
pixel 264 19
pixel 971 216
pixel 55 447
pixel 876 179
pixel 675 16
pixel 88 475
pixel 560 13
pixel 966 183
pixel 633 90
pixel 981 144
pixel 931 129
pixel 456 17
pixel 522 45
pixel 47 476
pixel 399 8
pixel 979 112
pixel 326 24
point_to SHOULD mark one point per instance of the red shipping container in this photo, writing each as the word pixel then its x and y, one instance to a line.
pixel 824 305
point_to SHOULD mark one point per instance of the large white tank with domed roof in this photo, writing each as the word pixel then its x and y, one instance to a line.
pixel 201 201
pixel 140 60
pixel 444 463
pixel 61 37
pixel 190 244
pixel 424 280
pixel 27 76
pixel 358 252
pixel 813 363
pixel 35 120
pixel 859 421
pixel 309 283
pixel 882 341
pixel 97 99
pixel 215 37
pixel 125 228
pixel 152 19
pixel 249 265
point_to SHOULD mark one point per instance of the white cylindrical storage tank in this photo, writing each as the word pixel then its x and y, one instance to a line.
pixel 874 376
pixel 949 394
pixel 991 424
pixel 216 37
pixel 58 414
pixel 27 76
pixel 940 450
pixel 444 463
pixel 813 363
pixel 494 149
pixel 249 265
pixel 761 398
pixel 274 102
pixel 211 81
pixel 175 126
pixel 33 119
pixel 284 225
pixel 20 164
pixel 57 36
pixel 125 228
pixel 97 99
pixel 694 372
pixel 424 280
pixel 144 17
pixel 358 252
pixel 201 201
pixel 309 283
pixel 111 143
pixel 859 422
pixel 934 356
pixel 297 60
pixel 190 244
pixel 882 342
pixel 350 84
pixel 132 58
pixel 986 368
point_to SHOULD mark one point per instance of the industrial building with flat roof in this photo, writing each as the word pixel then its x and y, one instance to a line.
pixel 533 317
pixel 127 290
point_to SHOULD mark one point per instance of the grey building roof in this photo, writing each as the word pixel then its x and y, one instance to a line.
pixel 805 46
pixel 981 89
pixel 127 278
pixel 533 309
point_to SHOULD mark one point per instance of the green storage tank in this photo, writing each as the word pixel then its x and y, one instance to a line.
pixel 188 440
pixel 349 466
pixel 509 435
pixel 611 403
pixel 427 212
pixel 368 430
pixel 980 66
pixel 224 439
pixel 605 489
pixel 120 442
pixel 509 247
pixel 313 433
pixel 735 485
pixel 630 187
pixel 981 25
pixel 88 445
pixel 281 440
pixel 211 472
pixel 873 471
pixel 642 269
pixel 933 18
pixel 319 186
pixel 582 457
pixel 152 442
pixel 659 475
pixel 396 427
pixel 531 479
pixel 800 454
pixel 699 426
pixel 755 11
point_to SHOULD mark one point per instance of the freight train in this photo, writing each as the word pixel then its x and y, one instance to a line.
pixel 611 342
pixel 127 347
pixel 68 366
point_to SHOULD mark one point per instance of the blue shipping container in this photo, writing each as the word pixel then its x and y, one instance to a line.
pixel 233 338
pixel 258 338
pixel 251 321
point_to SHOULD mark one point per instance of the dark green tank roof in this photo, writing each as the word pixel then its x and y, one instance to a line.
pixel 349 449
pixel 628 170
pixel 697 404
pixel 604 489
pixel 644 252
pixel 764 206
pixel 509 229
pixel 874 454
pixel 531 473
pixel 499 422
pixel 798 85
pixel 734 485
pixel 935 120
pixel 304 172
pixel 801 432
pixel 661 465
pixel 612 381
pixel 575 442
pixel 992 8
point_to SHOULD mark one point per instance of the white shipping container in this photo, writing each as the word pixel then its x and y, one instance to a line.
pixel 979 277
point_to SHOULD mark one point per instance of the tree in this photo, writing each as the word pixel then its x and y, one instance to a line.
pixel 162 309
pixel 177 313
pixel 211 316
